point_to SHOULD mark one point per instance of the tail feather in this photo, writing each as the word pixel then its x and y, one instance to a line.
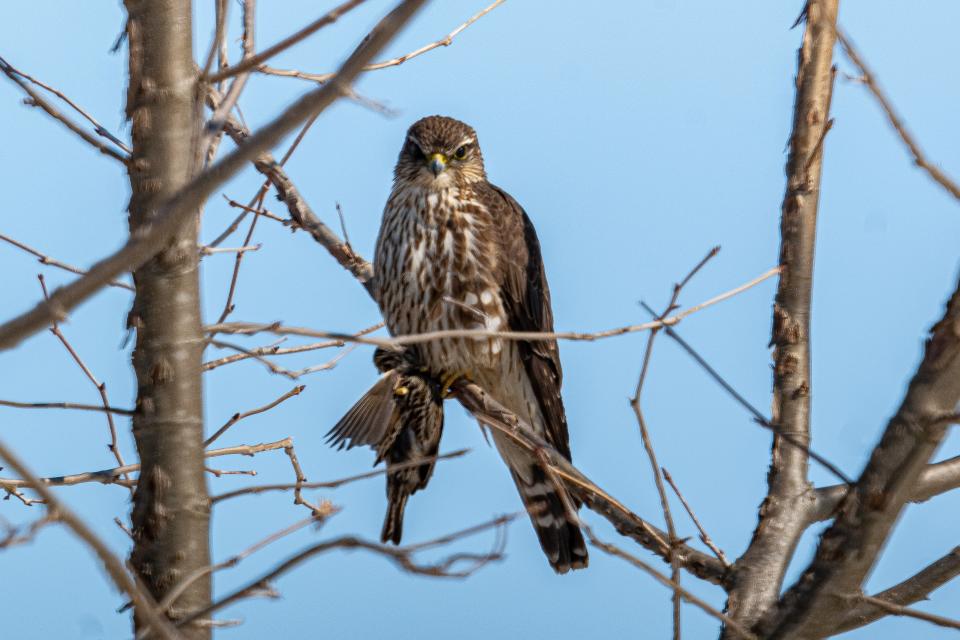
pixel 559 534
pixel 393 521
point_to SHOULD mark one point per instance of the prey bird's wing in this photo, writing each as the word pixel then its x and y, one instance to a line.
pixel 369 421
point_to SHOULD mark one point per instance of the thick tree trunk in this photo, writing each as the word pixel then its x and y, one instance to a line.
pixel 171 510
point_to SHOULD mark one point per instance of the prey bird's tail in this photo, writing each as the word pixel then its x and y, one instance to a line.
pixel 401 418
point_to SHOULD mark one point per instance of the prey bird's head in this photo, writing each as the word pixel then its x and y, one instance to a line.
pixel 440 152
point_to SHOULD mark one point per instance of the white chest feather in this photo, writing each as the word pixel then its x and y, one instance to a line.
pixel 435 264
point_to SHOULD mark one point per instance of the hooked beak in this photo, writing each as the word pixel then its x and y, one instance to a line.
pixel 437 163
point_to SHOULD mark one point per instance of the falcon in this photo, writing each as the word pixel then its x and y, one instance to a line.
pixel 401 418
pixel 457 252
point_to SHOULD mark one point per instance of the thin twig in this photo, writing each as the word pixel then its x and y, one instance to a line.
pixel 670 584
pixel 275 350
pixel 237 417
pixel 36 101
pixel 446 41
pixel 648 444
pixel 331 484
pixel 758 417
pixel 233 561
pixel 146 605
pixel 898 610
pixel 895 121
pixel 255 60
pixel 66 405
pixel 401 556
pixel 704 538
pixel 110 476
pixel 101 387
pixel 250 328
pixel 171 214
pixel 47 260
pixel 209 251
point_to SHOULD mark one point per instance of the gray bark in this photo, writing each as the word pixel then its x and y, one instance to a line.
pixel 758 574
pixel 171 511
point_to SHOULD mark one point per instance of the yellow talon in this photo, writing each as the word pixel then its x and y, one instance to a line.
pixel 450 379
pixel 401 391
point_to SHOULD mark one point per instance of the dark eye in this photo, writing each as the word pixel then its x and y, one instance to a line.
pixel 460 153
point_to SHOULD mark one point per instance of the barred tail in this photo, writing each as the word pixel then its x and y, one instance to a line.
pixel 560 536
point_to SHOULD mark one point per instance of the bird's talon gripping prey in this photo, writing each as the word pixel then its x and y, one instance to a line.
pixel 450 235
pixel 450 379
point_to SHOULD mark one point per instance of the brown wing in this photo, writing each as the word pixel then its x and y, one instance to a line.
pixel 526 299
pixel 371 420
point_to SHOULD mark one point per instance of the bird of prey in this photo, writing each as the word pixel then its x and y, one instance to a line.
pixel 457 252
pixel 401 418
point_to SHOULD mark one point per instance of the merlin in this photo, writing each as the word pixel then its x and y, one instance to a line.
pixel 457 252
pixel 401 418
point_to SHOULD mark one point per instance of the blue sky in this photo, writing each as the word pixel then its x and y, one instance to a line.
pixel 637 136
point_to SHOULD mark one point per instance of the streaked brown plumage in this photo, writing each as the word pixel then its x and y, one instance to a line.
pixel 455 251
pixel 401 418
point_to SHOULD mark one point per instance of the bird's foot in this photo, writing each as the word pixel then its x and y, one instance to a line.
pixel 450 379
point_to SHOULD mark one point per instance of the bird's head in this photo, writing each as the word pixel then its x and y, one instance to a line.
pixel 440 152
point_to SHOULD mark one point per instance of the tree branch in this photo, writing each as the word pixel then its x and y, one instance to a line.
pixel 911 590
pixel 866 516
pixel 401 556
pixel 37 101
pixel 115 569
pixel 171 215
pixel 760 570
pixel 446 41
pixel 896 122
pixel 935 479
pixel 493 414
pixel 250 62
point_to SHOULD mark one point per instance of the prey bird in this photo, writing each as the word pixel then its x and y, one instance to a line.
pixel 457 252
pixel 401 418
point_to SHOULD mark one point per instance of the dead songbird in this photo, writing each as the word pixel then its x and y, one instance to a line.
pixel 401 418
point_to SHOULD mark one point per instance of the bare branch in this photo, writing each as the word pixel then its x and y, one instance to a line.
pixel 935 479
pixel 110 476
pixel 760 570
pixel 252 61
pixel 911 590
pixel 251 328
pixel 648 444
pixel 864 519
pixel 758 417
pixel 259 353
pixel 171 215
pixel 704 538
pixel 493 414
pixel 896 122
pixel 613 550
pixel 401 556
pixel 446 41
pixel 101 387
pixel 329 484
pixel 66 405
pixel 146 605
pixel 35 100
pixel 300 211
pixel 47 260
pixel 237 417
